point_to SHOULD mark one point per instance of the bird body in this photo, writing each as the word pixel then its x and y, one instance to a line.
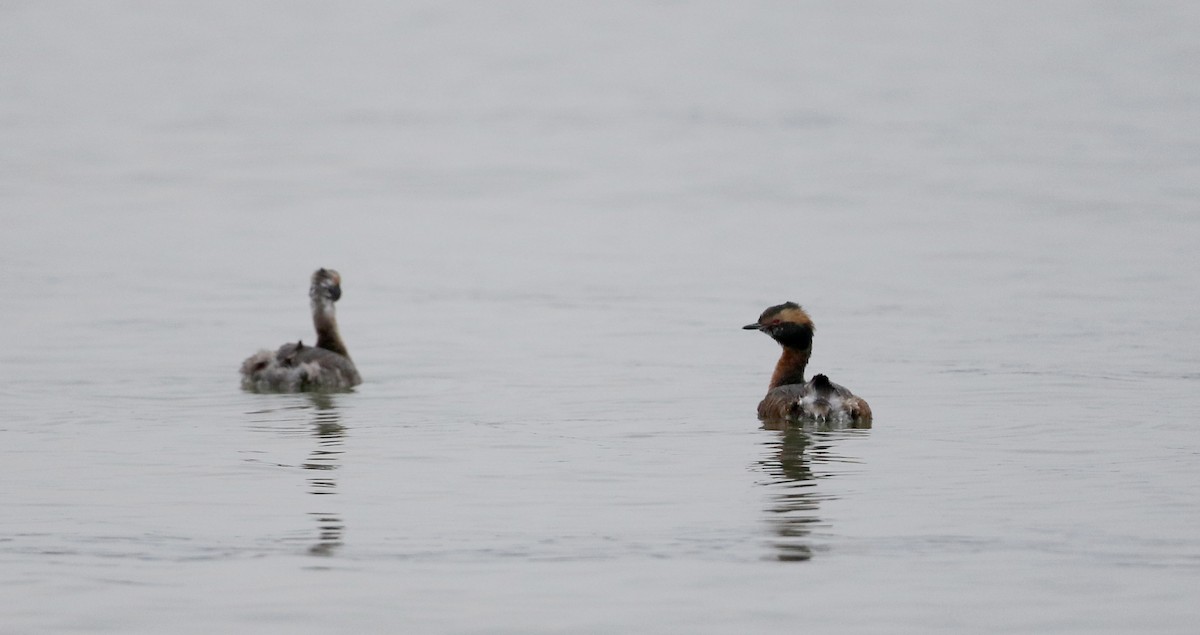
pixel 295 367
pixel 789 395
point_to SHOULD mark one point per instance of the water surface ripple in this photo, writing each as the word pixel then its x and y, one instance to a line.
pixel 551 221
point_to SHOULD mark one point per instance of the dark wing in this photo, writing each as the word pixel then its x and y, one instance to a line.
pixel 782 402
pixel 335 369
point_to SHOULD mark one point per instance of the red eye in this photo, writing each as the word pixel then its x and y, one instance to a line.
pixel 775 321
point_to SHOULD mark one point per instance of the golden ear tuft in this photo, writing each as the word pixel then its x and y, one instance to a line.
pixel 786 312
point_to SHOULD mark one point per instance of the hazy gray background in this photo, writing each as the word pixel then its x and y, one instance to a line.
pixel 551 220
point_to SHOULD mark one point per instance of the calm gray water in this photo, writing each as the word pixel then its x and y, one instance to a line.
pixel 551 220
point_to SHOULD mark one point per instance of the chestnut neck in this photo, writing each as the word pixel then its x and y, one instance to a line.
pixel 325 322
pixel 790 367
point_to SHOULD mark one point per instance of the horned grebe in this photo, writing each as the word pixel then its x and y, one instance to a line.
pixel 296 367
pixel 789 395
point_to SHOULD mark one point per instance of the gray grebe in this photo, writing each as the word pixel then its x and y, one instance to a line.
pixel 296 367
pixel 789 395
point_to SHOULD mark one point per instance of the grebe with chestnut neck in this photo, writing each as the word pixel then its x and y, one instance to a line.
pixel 297 367
pixel 789 395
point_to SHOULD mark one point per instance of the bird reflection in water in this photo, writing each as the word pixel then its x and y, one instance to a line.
pixel 795 456
pixel 324 460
